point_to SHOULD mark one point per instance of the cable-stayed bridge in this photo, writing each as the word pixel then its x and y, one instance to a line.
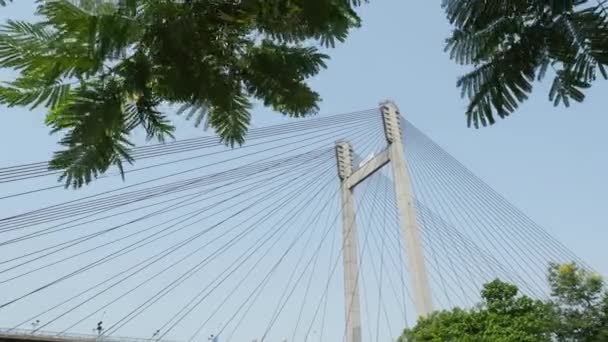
pixel 342 227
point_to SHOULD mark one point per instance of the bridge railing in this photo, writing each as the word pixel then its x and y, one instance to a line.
pixel 63 337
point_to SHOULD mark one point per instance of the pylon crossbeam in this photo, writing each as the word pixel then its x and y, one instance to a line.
pixel 368 169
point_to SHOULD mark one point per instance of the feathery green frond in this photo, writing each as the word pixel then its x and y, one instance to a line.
pixel 34 92
pixel 511 43
pixel 96 134
pixel 566 86
pixel 271 76
pixel 231 119
pixel 104 68
pixel 199 109
pixel 497 87
pixel 143 112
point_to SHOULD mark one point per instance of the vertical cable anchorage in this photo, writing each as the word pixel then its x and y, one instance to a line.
pixel 344 157
pixel 391 121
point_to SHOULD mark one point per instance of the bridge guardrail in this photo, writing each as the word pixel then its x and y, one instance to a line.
pixel 55 336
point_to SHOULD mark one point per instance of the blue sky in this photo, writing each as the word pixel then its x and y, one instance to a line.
pixel 550 162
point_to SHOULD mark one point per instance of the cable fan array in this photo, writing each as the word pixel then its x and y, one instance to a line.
pixel 246 243
pixel 473 234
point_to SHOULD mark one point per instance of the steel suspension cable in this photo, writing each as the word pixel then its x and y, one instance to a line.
pixel 197 212
pixel 59 208
pixel 278 310
pixel 153 166
pixel 60 279
pixel 131 315
pixel 425 217
pixel 252 268
pixel 165 253
pixel 420 186
pixel 385 204
pixel 496 201
pixel 490 233
pixel 428 261
pixel 40 169
pixel 173 248
pixel 245 172
pixel 375 202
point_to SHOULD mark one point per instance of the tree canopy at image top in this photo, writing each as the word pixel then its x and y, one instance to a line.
pixel 512 43
pixel 576 312
pixel 103 68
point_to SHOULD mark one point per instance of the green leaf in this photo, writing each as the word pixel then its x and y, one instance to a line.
pixel 199 109
pixel 96 133
pixel 499 86
pixel 277 74
pixel 143 112
pixel 511 43
pixel 34 92
pixel 567 86
pixel 105 68
pixel 231 119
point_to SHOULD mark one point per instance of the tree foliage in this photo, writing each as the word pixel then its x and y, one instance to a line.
pixel 576 312
pixel 581 304
pixel 503 316
pixel 103 68
pixel 512 43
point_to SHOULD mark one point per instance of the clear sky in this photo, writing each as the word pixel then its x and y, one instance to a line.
pixel 550 162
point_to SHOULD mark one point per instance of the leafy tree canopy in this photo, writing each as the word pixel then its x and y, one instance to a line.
pixel 511 43
pixel 577 312
pixel 580 300
pixel 502 316
pixel 102 68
